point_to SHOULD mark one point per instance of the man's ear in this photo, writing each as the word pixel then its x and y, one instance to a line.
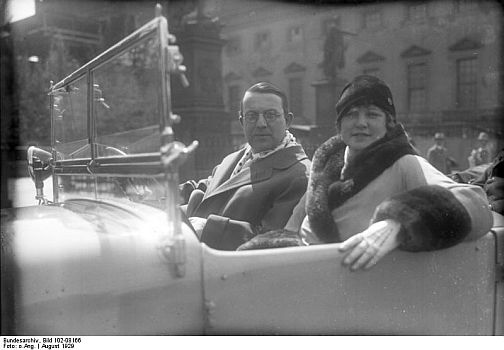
pixel 240 118
pixel 288 119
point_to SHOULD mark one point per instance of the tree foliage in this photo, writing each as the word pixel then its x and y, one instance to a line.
pixel 33 82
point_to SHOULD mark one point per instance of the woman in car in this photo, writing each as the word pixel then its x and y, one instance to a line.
pixel 371 190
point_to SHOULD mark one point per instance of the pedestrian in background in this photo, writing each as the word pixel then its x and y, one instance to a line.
pixel 480 155
pixel 438 156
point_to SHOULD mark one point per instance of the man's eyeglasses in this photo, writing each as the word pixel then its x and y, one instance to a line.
pixel 253 116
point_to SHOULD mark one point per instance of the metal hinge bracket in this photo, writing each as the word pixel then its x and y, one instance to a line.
pixel 173 251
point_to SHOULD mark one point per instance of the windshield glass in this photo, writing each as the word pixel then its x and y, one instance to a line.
pixel 126 101
pixel 70 120
pixel 146 189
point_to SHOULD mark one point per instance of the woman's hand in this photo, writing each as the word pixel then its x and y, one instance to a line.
pixel 369 246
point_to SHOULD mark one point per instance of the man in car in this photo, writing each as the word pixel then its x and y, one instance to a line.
pixel 254 189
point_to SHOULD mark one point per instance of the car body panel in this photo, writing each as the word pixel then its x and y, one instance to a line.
pixel 305 290
pixel 78 274
pixel 498 230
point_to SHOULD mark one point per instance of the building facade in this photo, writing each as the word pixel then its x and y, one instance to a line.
pixel 442 59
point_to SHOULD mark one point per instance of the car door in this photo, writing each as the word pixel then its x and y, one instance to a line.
pixel 305 290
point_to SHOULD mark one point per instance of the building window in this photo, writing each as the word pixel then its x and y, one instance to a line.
pixel 233 46
pixel 417 87
pixel 262 41
pixel 372 71
pixel 417 11
pixel 372 19
pixel 466 83
pixel 295 35
pixel 234 99
pixel 466 5
pixel 296 96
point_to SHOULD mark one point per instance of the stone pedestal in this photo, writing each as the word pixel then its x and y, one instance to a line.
pixel 201 104
pixel 326 96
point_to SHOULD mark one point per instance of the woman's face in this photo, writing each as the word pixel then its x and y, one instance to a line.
pixel 363 125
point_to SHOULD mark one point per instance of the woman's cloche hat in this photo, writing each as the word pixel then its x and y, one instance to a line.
pixel 365 89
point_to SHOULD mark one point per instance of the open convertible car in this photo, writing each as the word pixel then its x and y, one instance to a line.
pixel 110 252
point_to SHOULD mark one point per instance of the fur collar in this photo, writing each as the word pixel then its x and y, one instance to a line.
pixel 326 189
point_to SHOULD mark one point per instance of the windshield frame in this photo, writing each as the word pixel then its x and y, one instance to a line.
pixel 125 165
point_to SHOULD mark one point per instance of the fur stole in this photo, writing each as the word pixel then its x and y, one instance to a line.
pixel 431 218
pixel 280 238
pixel 327 191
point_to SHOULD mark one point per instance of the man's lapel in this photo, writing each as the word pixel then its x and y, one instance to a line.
pixel 257 172
pixel 224 170
pixel 247 176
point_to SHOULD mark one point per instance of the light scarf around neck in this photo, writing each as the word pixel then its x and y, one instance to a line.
pixel 249 156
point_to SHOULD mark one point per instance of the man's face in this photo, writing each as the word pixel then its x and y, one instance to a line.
pixel 262 134
pixel 439 142
pixel 363 125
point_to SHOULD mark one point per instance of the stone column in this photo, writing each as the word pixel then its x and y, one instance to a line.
pixel 327 93
pixel 201 105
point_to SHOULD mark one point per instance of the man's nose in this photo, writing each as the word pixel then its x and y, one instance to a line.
pixel 261 122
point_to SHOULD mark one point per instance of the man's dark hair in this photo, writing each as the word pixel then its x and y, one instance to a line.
pixel 267 88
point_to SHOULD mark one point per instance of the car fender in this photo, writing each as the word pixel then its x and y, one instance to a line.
pixel 74 269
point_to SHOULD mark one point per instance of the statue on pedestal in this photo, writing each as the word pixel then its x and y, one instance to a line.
pixel 334 51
